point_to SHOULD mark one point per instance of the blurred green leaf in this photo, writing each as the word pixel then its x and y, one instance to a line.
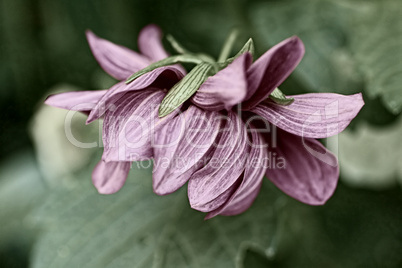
pixel 21 190
pixel 370 156
pixel 376 42
pixel 348 43
pixel 136 228
pixel 328 65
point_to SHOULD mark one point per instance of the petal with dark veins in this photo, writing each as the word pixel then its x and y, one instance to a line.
pixel 315 115
pixel 271 69
pixel 163 78
pixel 251 180
pixel 304 169
pixel 226 88
pixel 211 186
pixel 118 61
pixel 83 101
pixel 180 148
pixel 108 178
pixel 129 128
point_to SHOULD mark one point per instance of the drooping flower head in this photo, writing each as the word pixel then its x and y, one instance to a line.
pixel 220 128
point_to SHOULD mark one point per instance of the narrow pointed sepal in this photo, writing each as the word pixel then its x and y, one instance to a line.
pixel 183 90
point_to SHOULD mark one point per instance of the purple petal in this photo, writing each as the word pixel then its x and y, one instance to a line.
pixel 164 77
pixel 128 130
pixel 149 43
pixel 271 69
pixel 118 61
pixel 83 101
pixel 108 178
pixel 180 148
pixel 212 185
pixel 303 168
pixel 226 88
pixel 315 115
pixel 251 182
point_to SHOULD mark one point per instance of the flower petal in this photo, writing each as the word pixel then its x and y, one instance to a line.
pixel 83 101
pixel 108 178
pixel 164 77
pixel 212 185
pixel 118 61
pixel 271 69
pixel 128 130
pixel 251 181
pixel 303 168
pixel 226 88
pixel 149 43
pixel 180 146
pixel 315 115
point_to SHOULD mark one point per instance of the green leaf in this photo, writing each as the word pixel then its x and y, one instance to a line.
pixel 184 89
pixel 278 97
pixel 136 228
pixel 188 58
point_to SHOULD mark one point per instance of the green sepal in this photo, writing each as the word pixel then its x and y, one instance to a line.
pixel 176 45
pixel 227 47
pixel 184 89
pixel 248 47
pixel 278 97
pixel 187 58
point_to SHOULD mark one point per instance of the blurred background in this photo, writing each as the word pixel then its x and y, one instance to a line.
pixel 51 216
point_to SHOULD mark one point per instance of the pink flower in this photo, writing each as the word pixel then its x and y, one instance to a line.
pixel 215 141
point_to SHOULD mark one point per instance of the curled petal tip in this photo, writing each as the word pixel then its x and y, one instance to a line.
pixel 89 33
pixel 108 178
pixel 299 44
pixel 106 191
pixel 359 97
